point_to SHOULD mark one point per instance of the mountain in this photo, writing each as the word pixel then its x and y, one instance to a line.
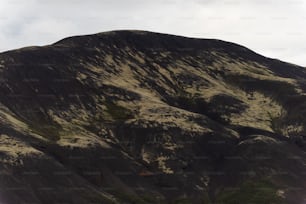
pixel 143 117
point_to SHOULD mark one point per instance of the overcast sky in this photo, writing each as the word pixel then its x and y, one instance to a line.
pixel 275 28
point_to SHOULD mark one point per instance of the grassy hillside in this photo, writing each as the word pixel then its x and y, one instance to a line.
pixel 141 117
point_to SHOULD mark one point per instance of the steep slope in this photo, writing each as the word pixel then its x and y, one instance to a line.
pixel 141 117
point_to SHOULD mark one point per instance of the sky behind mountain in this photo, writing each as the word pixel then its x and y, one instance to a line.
pixel 273 28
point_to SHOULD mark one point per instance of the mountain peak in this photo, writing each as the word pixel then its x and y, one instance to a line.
pixel 143 117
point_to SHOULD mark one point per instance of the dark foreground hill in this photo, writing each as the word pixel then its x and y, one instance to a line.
pixel 141 117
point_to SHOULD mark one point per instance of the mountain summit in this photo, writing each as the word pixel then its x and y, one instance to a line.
pixel 142 117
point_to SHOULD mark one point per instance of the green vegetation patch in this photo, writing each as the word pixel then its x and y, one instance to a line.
pixel 182 201
pixel 137 199
pixel 278 90
pixel 95 197
pixel 218 109
pixel 50 132
pixel 117 112
pixel 251 192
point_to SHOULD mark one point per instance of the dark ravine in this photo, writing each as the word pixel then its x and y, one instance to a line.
pixel 142 117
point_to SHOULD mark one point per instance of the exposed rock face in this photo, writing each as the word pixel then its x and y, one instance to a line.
pixel 140 117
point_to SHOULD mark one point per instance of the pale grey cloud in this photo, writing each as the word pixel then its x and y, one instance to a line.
pixel 275 28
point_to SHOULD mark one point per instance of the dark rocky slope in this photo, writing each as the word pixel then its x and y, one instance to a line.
pixel 141 117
